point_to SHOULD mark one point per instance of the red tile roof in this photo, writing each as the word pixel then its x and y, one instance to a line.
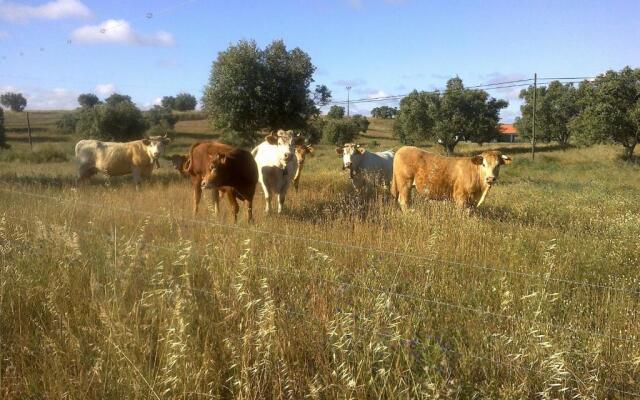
pixel 507 129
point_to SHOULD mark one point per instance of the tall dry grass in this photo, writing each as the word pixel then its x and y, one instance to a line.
pixel 535 296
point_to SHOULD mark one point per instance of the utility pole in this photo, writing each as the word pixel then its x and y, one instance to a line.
pixel 348 90
pixel 533 130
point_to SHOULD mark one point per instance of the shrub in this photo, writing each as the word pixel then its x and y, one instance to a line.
pixel 120 121
pixel 340 131
pixel 243 140
pixel 190 115
pixel 336 112
pixel 67 124
pixel 362 122
pixel 313 131
pixel 161 116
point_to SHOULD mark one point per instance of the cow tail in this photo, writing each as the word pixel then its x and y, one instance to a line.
pixel 394 187
pixel 254 151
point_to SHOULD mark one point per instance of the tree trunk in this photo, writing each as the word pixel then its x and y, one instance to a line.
pixel 628 151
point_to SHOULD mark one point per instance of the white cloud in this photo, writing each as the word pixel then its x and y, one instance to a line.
pixel 379 93
pixel 52 10
pixel 105 89
pixel 357 4
pixel 3 35
pixel 119 31
pixel 46 99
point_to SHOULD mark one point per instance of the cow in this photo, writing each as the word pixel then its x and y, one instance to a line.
pixel 277 165
pixel 359 161
pixel 226 171
pixel 181 164
pixel 301 151
pixel 115 159
pixel 464 180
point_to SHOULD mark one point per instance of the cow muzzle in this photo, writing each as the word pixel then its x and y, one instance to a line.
pixel 490 180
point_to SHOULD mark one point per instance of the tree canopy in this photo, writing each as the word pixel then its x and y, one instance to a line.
pixel 556 105
pixel 118 120
pixel 184 102
pixel 251 88
pixel 384 112
pixel 448 117
pixel 88 100
pixel 168 102
pixel 610 110
pixel 118 98
pixel 336 112
pixel 15 101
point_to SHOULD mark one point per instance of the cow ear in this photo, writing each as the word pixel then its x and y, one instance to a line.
pixel 272 139
pixel 477 160
pixel 339 150
pixel 166 140
pixel 361 150
pixel 222 158
pixel 504 159
pixel 309 149
pixel 146 142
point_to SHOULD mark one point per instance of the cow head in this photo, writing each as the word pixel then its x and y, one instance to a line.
pixel 301 152
pixel 216 171
pixel 155 145
pixel 180 163
pixel 283 150
pixel 351 154
pixel 489 163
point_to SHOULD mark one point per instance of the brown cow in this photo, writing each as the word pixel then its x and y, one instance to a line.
pixel 301 154
pixel 181 163
pixel 465 180
pixel 226 170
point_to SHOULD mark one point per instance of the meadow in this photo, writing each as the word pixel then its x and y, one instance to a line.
pixel 109 292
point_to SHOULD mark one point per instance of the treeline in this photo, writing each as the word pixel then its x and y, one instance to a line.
pixel 603 110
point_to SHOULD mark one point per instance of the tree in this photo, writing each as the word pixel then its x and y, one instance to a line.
pixel 384 112
pixel 556 106
pixel 361 121
pixel 168 102
pixel 340 131
pixel 336 112
pixel 3 139
pixel 448 117
pixel 118 121
pixel 118 98
pixel 184 102
pixel 611 110
pixel 250 89
pixel 160 120
pixel 15 101
pixel 88 100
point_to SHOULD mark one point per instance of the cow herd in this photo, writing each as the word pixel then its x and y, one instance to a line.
pixel 277 162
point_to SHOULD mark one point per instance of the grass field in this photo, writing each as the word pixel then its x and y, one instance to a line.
pixel 107 292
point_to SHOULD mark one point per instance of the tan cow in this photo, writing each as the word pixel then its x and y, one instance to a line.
pixel 464 180
pixel 115 159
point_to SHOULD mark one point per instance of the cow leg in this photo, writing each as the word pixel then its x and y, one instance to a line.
pixel 85 173
pixel 281 196
pixel 215 198
pixel 267 198
pixel 249 204
pixel 234 205
pixel 136 176
pixel 197 193
pixel 404 194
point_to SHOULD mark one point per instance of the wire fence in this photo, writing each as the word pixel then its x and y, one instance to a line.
pixel 424 341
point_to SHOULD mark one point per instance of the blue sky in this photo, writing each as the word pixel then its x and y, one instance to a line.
pixel 52 50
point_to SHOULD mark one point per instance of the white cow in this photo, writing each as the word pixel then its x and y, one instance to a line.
pixel 277 165
pixel 115 159
pixel 361 162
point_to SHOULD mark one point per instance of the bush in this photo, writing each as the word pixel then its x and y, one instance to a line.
pixel 120 121
pixel 362 122
pixel 340 131
pixel 67 124
pixel 161 116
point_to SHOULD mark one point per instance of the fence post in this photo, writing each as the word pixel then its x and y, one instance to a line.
pixel 29 132
pixel 535 94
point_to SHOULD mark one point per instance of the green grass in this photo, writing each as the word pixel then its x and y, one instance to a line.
pixel 342 296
